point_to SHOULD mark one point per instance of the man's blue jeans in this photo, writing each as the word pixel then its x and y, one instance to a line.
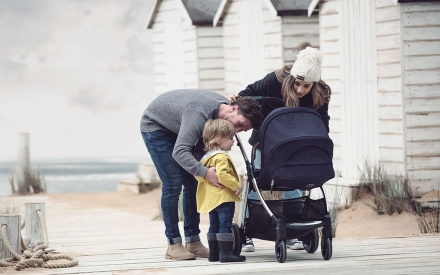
pixel 160 145
pixel 220 218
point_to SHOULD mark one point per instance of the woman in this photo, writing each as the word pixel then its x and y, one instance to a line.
pixel 298 85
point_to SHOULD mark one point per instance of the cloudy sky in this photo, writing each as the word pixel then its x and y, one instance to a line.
pixel 75 75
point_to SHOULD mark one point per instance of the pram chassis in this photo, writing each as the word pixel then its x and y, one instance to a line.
pixel 310 236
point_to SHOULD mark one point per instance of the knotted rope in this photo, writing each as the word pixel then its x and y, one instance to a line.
pixel 34 257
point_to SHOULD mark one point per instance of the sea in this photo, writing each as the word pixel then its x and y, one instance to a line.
pixel 75 175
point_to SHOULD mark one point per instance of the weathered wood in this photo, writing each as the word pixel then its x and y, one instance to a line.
pixel 23 164
pixel 111 241
pixel 33 226
pixel 14 234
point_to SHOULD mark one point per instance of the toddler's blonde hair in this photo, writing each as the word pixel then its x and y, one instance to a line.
pixel 216 131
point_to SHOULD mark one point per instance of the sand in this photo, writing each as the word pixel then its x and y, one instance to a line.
pixel 359 220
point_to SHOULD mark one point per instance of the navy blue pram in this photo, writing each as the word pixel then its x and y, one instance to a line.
pixel 296 153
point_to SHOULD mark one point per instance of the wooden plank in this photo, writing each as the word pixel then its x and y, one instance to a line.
pixel 210 42
pixel 421 77
pixel 423 134
pixel 385 56
pixel 390 126
pixel 13 227
pixel 112 241
pixel 388 28
pixel 389 84
pixel 390 112
pixel 422 106
pixel 330 7
pixel 391 155
pixel 421 19
pixel 330 20
pixel 422 91
pixel 390 13
pixel 420 7
pixel 391 140
pixel 388 42
pixel 389 70
pixel 393 98
pixel 430 62
pixel 33 227
pixel 425 149
pixel 422 120
pixel 426 33
pixel 421 48
pixel 423 177
pixel 353 258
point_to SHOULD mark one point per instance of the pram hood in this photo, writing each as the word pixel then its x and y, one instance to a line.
pixel 296 151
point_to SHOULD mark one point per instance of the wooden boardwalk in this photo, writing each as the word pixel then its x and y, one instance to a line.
pixel 109 241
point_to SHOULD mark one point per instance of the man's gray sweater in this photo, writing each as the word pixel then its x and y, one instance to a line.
pixel 183 112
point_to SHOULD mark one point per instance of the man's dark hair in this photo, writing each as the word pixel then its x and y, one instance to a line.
pixel 250 109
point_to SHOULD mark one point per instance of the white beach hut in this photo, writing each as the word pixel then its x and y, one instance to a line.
pixel 187 49
pixel 260 36
pixel 382 60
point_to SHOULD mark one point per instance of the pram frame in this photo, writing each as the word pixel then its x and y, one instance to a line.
pixel 281 235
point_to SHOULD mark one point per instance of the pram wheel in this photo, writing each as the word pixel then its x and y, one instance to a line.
pixel 239 238
pixel 280 251
pixel 326 248
pixel 311 241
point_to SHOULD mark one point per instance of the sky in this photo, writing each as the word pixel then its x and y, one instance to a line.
pixel 75 75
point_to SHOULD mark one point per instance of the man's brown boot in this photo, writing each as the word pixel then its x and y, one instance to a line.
pixel 198 249
pixel 179 253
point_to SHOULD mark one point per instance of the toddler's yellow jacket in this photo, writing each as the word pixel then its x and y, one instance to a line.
pixel 210 196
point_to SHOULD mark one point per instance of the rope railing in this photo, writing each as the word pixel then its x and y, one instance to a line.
pixel 34 257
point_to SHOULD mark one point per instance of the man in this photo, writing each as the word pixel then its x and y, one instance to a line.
pixel 171 127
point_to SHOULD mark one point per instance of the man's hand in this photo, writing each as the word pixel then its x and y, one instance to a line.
pixel 238 191
pixel 211 176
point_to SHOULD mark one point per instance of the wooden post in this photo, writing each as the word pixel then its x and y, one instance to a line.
pixel 23 163
pixel 33 226
pixel 14 234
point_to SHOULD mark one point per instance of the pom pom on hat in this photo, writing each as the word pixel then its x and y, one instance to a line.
pixel 307 66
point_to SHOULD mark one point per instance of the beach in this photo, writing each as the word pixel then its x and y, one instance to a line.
pixel 114 233
pixel 357 221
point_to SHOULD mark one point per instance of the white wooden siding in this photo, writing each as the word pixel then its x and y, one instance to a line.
pixel 273 42
pixel 167 47
pixel 211 65
pixel 189 52
pixel 231 48
pixel 256 42
pixel 251 41
pixel 297 30
pixel 329 43
pixel 389 84
pixel 421 85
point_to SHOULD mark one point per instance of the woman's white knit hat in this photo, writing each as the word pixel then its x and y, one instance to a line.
pixel 307 66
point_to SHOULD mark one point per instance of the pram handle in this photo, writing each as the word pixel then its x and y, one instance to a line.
pixel 263 99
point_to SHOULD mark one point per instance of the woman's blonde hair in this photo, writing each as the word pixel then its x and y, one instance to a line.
pixel 216 131
pixel 320 91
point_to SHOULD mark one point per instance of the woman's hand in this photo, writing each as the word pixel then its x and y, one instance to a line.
pixel 232 98
pixel 238 191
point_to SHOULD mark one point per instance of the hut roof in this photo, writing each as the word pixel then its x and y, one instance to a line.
pixel 198 12
pixel 277 8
